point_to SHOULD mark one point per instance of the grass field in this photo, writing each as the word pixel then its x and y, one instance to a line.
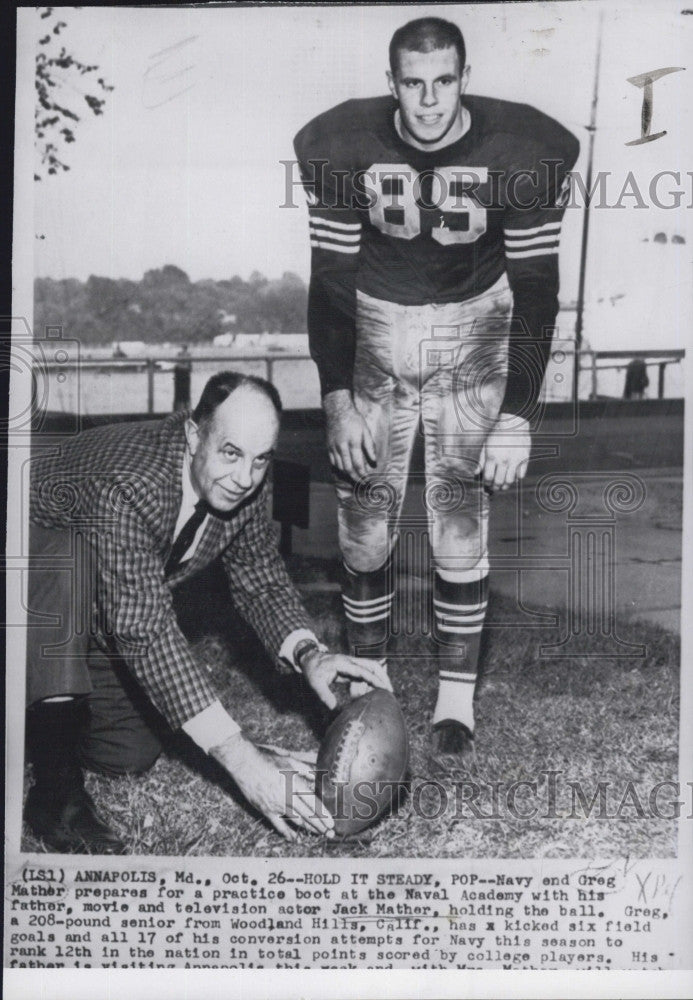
pixel 591 721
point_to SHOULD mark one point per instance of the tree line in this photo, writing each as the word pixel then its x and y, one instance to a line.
pixel 166 306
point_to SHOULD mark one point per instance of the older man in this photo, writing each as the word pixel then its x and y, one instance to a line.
pixel 130 511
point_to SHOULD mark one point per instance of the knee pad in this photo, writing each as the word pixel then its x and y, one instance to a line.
pixel 365 543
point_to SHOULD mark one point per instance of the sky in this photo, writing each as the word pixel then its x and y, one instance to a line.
pixel 185 165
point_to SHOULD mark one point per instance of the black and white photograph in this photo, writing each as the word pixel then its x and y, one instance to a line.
pixel 347 464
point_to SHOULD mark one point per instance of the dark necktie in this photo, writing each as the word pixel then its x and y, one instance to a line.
pixel 185 537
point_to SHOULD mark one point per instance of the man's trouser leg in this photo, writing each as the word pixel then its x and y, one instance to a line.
pixel 63 662
pixel 119 738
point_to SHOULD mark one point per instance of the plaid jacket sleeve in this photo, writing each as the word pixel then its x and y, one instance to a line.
pixel 260 585
pixel 136 604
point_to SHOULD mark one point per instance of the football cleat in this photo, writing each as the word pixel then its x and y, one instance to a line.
pixel 452 743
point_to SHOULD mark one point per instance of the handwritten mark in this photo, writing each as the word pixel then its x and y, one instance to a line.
pixel 645 82
pixel 165 74
pixel 642 891
pixel 673 890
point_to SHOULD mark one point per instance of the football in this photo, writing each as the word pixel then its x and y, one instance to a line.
pixel 362 762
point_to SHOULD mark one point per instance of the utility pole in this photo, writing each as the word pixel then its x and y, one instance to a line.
pixel 591 128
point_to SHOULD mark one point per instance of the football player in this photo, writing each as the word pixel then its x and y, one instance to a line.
pixel 434 227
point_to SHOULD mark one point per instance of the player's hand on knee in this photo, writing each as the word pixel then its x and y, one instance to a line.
pixel 321 670
pixel 350 443
pixel 279 783
pixel 506 452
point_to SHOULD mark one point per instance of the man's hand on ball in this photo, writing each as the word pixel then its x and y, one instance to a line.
pixel 350 443
pixel 506 452
pixel 322 669
pixel 279 796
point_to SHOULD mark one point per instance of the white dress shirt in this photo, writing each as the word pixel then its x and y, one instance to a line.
pixel 187 509
pixel 213 725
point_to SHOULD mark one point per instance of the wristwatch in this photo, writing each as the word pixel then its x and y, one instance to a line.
pixel 304 648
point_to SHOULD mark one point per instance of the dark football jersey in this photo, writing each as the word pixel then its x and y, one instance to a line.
pixel 416 227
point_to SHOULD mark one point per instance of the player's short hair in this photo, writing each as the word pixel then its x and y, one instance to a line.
pixel 220 386
pixel 424 35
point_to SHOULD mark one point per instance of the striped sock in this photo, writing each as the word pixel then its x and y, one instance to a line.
pixel 367 601
pixel 459 611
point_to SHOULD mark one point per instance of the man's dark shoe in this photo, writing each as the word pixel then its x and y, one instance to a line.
pixel 58 808
pixel 451 745
pixel 70 825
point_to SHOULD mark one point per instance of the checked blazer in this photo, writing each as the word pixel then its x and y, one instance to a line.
pixel 120 485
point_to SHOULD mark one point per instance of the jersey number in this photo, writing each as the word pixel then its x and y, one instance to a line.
pixel 395 210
